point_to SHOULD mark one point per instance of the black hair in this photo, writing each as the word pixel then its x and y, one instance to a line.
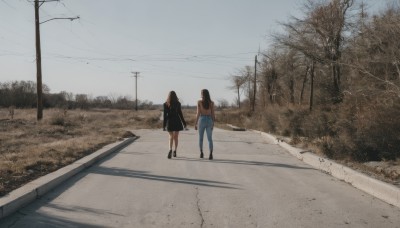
pixel 206 99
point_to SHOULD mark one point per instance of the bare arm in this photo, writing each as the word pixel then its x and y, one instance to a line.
pixel 197 115
pixel 212 113
pixel 181 116
pixel 165 116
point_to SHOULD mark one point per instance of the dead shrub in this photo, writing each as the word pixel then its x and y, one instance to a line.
pixel 234 117
pixel 57 119
pixel 321 123
pixel 190 116
pixel 41 166
pixel 128 134
pixel 11 111
pixel 153 120
pixel 368 129
pixel 362 128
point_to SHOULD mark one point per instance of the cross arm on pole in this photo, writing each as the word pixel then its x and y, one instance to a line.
pixel 57 18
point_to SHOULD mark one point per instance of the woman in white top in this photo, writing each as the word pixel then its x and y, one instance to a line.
pixel 205 119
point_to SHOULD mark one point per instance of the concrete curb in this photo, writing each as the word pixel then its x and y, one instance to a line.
pixel 379 189
pixel 37 188
pixel 234 128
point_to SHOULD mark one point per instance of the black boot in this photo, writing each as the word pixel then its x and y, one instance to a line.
pixel 211 156
pixel 175 153
pixel 201 154
pixel 169 154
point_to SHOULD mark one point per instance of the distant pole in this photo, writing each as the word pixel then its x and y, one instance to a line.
pixel 136 76
pixel 38 64
pixel 255 84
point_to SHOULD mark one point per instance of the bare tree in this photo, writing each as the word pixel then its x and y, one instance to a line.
pixel 247 73
pixel 304 82
pixel 320 36
pixel 82 101
pixel 269 79
pixel 223 103
pixel 375 52
pixel 238 81
pixel 288 63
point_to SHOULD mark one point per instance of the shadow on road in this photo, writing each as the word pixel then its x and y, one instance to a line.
pixel 149 176
pixel 243 162
pixel 42 219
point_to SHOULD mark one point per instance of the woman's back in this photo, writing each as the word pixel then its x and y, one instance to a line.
pixel 203 111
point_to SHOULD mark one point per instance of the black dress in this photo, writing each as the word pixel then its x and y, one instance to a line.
pixel 173 118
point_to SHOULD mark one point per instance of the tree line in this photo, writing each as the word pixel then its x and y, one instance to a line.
pixel 22 94
pixel 336 70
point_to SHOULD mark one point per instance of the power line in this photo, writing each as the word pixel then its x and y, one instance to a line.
pixel 12 7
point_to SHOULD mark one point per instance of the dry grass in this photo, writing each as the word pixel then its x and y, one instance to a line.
pixel 30 149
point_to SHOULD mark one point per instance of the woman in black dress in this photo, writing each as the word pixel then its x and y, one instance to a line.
pixel 173 121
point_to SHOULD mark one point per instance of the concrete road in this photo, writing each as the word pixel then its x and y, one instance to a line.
pixel 250 183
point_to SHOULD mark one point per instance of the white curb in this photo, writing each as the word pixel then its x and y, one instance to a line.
pixel 379 189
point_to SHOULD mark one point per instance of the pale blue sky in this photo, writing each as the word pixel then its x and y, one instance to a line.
pixel 181 45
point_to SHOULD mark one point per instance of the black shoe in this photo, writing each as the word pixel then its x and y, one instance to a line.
pixel 169 154
pixel 201 155
pixel 211 156
pixel 175 153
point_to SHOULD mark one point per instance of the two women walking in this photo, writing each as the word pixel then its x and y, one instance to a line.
pixel 175 122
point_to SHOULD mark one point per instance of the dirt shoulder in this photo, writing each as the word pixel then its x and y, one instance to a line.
pixel 386 171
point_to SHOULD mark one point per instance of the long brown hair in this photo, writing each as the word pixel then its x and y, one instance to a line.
pixel 205 99
pixel 172 99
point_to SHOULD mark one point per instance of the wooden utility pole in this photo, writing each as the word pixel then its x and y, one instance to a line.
pixel 136 76
pixel 255 84
pixel 249 89
pixel 312 84
pixel 38 64
pixel 39 55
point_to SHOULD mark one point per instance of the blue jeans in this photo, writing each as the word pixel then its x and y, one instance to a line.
pixel 205 123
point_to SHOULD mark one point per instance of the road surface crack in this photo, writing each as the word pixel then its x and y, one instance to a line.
pixel 198 207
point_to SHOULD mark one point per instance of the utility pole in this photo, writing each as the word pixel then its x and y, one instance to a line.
pixel 38 64
pixel 255 84
pixel 136 76
pixel 39 55
pixel 249 83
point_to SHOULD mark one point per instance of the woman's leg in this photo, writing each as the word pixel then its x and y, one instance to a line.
pixel 171 139
pixel 170 144
pixel 209 136
pixel 176 135
pixel 202 127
